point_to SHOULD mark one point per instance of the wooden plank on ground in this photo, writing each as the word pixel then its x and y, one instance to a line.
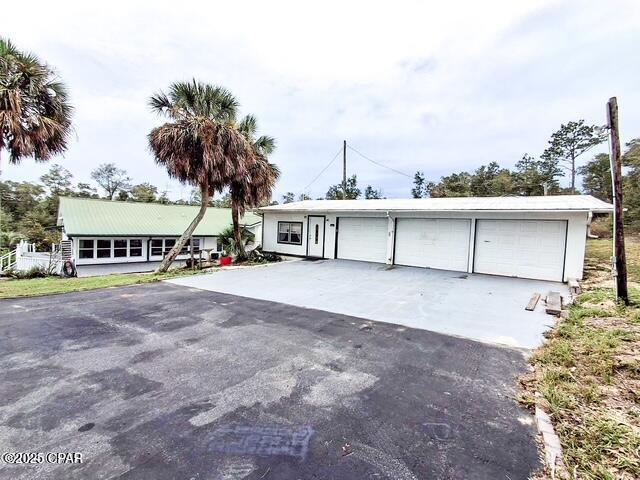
pixel 533 302
pixel 574 287
pixel 554 303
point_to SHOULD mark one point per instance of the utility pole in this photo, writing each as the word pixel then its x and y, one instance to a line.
pixel 620 261
pixel 344 169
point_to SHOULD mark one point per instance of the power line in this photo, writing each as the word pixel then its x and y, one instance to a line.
pixel 323 170
pixel 378 163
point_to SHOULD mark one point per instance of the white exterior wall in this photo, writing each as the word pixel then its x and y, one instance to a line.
pixel 210 243
pixel 574 255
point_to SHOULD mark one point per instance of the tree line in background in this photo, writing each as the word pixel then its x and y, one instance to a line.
pixel 350 191
pixel 29 210
pixel 541 176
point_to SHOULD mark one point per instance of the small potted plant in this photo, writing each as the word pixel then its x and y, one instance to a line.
pixel 225 259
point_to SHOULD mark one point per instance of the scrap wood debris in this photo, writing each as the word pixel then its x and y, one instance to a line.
pixel 347 449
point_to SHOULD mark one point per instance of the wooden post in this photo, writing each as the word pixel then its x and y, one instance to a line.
pixel 191 252
pixel 344 169
pixel 620 261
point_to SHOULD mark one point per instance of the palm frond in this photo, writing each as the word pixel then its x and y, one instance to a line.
pixel 35 113
pixel 265 145
pixel 248 126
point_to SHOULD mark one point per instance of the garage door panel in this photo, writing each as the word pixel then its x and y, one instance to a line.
pixel 521 248
pixel 434 243
pixel 363 239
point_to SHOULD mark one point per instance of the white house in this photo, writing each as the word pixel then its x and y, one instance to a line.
pixel 530 237
pixel 109 236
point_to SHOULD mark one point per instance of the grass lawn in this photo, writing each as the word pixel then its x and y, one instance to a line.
pixel 52 285
pixel 599 254
pixel 588 374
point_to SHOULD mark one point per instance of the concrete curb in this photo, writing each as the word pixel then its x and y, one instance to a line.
pixel 551 441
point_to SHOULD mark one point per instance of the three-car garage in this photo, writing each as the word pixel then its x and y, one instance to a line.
pixel 529 237
pixel 513 248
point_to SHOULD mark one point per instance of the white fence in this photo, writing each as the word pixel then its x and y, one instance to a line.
pixel 25 257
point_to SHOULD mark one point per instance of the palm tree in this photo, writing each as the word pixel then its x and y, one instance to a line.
pixel 228 239
pixel 35 115
pixel 255 188
pixel 200 145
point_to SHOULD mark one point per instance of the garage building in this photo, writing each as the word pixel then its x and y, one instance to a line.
pixel 530 237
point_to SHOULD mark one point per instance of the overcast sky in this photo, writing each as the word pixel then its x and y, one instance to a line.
pixel 431 86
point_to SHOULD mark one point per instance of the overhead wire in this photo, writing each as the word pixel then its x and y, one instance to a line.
pixel 378 163
pixel 323 170
pixel 361 155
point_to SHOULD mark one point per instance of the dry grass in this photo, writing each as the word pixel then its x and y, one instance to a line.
pixel 588 374
pixel 598 261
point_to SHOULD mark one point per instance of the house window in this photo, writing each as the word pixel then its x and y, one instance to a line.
pixel 290 232
pixel 218 244
pixel 135 248
pixel 196 245
pixel 86 248
pixel 104 249
pixel 156 247
pixel 120 248
pixel 185 248
pixel 168 245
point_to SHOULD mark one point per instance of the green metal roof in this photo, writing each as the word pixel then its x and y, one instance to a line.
pixel 89 216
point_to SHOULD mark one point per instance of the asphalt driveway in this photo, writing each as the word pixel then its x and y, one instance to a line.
pixel 480 307
pixel 160 381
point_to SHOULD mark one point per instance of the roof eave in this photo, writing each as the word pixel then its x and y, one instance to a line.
pixel 383 210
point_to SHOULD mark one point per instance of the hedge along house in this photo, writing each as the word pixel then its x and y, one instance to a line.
pixel 116 237
pixel 530 237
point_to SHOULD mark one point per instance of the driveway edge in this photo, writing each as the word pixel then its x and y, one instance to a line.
pixel 551 441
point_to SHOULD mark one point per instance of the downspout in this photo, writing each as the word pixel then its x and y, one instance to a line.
pixel 589 218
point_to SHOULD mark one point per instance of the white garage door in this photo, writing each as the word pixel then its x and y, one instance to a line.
pixel 435 243
pixel 362 239
pixel 521 248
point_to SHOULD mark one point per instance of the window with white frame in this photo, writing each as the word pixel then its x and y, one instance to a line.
pixel 86 248
pixel 162 246
pixel 109 248
pixel 135 247
pixel 103 248
pixel 156 246
pixel 120 247
pixel 290 232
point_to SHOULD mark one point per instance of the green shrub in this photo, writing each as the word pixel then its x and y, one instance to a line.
pixel 37 271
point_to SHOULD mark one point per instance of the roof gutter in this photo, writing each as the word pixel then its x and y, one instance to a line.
pixel 594 210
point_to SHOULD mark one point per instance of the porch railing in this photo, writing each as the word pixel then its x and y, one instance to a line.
pixel 8 260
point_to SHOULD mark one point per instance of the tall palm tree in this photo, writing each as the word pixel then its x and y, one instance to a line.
pixel 254 188
pixel 200 145
pixel 35 114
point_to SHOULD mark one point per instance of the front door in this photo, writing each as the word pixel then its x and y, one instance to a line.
pixel 315 237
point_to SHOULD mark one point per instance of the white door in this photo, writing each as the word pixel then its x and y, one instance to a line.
pixel 521 248
pixel 315 237
pixel 433 242
pixel 363 239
